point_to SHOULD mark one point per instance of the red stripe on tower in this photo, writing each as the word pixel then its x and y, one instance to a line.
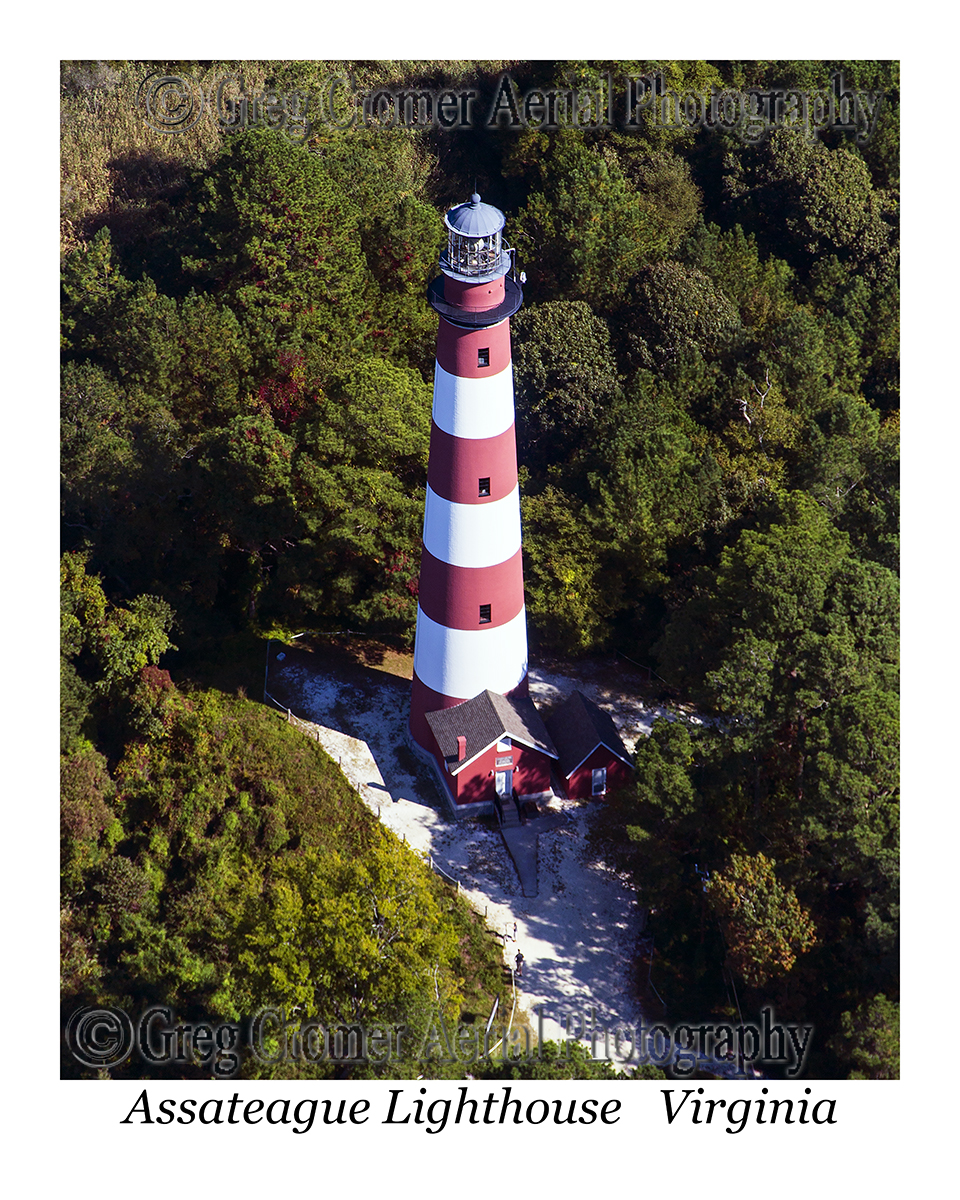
pixel 471 621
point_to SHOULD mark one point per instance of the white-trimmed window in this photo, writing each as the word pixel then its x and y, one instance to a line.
pixel 599 786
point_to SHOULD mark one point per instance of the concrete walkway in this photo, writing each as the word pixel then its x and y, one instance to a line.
pixel 521 842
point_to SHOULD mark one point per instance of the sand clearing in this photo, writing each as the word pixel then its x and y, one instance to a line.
pixel 577 935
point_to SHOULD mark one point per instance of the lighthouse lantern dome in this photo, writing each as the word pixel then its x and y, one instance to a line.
pixel 474 250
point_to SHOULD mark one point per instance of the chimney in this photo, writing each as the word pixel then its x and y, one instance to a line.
pixel 461 748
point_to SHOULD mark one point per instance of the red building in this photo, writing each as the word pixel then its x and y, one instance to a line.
pixel 592 757
pixel 491 745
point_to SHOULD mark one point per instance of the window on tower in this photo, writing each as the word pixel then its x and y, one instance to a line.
pixel 485 617
pixel 484 487
pixel 483 357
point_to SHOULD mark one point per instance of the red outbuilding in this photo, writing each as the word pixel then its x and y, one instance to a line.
pixel 592 757
pixel 491 745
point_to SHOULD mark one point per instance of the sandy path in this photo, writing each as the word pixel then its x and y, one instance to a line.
pixel 577 934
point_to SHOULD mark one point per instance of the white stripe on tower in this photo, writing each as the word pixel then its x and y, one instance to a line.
pixel 473 408
pixel 471 621
pixel 472 535
pixel 464 662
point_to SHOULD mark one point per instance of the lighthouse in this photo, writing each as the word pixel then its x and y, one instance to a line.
pixel 471 632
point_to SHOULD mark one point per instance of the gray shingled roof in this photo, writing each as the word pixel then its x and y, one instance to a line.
pixel 578 726
pixel 484 720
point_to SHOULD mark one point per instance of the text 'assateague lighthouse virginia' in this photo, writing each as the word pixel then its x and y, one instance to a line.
pixel 471 622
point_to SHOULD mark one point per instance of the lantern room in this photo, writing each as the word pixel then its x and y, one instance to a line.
pixel 474 253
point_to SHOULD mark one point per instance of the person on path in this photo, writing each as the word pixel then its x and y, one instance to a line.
pixel 519 964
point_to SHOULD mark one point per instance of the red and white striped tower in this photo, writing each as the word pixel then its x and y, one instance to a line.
pixel 471 621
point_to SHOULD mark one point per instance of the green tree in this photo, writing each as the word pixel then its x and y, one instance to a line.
pixel 820 201
pixel 664 182
pixel 651 828
pixel 850 463
pixel 869 1040
pixel 855 763
pixel 761 288
pixel 121 641
pixel 386 177
pixel 569 590
pixel 280 244
pixel 246 472
pixel 789 620
pixel 553 1060
pixel 763 923
pixel 125 468
pixel 585 230
pixel 851 812
pixel 349 938
pixel 128 327
pixel 86 814
pixel 359 482
pixel 674 309
pixel 214 371
pixel 90 283
pixel 565 377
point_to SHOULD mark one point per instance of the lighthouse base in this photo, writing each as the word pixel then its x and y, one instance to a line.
pixel 486 750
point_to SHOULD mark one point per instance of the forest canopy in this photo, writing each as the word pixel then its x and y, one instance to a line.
pixel 707 380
